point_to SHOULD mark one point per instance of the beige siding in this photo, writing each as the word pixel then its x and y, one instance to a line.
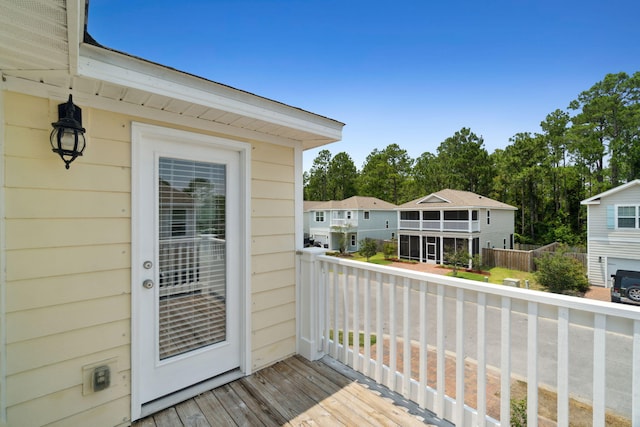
pixel 273 256
pixel 68 252
pixel 68 259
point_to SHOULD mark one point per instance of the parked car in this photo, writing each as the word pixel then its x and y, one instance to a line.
pixel 626 286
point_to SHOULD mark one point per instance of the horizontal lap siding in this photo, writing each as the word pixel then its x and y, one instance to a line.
pixel 68 253
pixel 68 245
pixel 273 256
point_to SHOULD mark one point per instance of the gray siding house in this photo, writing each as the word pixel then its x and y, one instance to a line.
pixel 613 232
pixel 360 217
pixel 431 226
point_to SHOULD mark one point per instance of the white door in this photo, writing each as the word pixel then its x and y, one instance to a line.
pixel 186 290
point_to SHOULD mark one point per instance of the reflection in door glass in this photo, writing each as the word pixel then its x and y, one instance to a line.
pixel 192 248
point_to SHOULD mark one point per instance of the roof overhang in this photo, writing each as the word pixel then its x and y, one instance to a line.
pixel 595 200
pixel 43 52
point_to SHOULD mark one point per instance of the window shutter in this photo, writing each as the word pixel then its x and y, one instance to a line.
pixel 611 217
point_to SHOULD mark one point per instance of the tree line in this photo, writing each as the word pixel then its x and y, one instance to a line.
pixel 589 147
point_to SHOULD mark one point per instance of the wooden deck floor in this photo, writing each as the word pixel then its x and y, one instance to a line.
pixel 295 392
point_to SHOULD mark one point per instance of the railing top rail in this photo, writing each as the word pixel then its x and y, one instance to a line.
pixel 574 303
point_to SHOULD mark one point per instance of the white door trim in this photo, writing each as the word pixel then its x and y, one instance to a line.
pixel 139 132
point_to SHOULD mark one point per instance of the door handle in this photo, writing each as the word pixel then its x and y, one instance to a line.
pixel 147 284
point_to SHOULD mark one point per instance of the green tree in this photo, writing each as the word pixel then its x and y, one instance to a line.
pixel 390 249
pixel 342 177
pixel 343 239
pixel 385 174
pixel 560 273
pixel 368 248
pixel 318 178
pixel 457 258
pixel 466 161
pixel 429 175
pixel 607 124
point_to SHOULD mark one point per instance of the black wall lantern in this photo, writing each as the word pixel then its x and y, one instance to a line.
pixel 67 136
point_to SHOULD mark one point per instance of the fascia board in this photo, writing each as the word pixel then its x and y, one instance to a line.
pixel 75 31
pixel 595 200
pixel 119 69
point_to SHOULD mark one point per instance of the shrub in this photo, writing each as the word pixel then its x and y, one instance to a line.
pixel 390 249
pixel 519 412
pixel 457 259
pixel 368 248
pixel 561 274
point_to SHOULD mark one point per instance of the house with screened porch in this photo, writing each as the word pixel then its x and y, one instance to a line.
pixel 452 220
pixel 152 268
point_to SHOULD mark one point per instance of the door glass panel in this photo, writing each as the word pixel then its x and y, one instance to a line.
pixel 191 244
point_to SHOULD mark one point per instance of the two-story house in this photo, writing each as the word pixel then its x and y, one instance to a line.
pixel 613 232
pixel 358 217
pixel 451 220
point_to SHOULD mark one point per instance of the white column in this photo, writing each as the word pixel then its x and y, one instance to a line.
pixel 309 306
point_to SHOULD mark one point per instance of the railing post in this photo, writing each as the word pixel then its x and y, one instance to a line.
pixel 309 304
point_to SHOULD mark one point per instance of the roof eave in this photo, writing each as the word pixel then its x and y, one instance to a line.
pixel 104 64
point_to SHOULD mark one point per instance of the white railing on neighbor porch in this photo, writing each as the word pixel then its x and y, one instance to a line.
pixel 427 323
pixel 437 225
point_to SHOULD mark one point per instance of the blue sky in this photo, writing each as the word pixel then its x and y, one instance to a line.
pixel 407 72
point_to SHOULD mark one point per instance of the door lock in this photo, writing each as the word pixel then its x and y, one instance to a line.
pixel 147 284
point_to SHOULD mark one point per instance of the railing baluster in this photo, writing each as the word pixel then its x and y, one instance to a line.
pixel 406 350
pixel 563 366
pixel 356 320
pixel 532 365
pixel 379 331
pixel 460 356
pixel 336 309
pixel 345 315
pixel 635 383
pixel 424 348
pixel 325 296
pixel 393 338
pixel 481 357
pixel 599 369
pixel 505 362
pixel 367 323
pixel 440 360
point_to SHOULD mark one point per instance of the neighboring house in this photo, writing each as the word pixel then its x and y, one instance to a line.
pixel 613 232
pixel 359 217
pixel 432 226
pixel 188 196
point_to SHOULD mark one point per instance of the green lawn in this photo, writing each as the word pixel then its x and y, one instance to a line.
pixel 497 275
pixel 376 259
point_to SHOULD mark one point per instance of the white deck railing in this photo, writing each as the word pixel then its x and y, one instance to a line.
pixel 438 225
pixel 493 334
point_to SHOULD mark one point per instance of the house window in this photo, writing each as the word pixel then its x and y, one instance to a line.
pixel 348 214
pixel 628 216
pixel 386 223
pixel 488 217
pixel 366 214
pixel 319 216
pixel 353 240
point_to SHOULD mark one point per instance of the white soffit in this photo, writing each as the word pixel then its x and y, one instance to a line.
pixel 151 85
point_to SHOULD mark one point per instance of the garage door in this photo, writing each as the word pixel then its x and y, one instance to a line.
pixel 615 264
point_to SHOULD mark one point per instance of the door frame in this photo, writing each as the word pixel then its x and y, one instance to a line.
pixel 143 131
